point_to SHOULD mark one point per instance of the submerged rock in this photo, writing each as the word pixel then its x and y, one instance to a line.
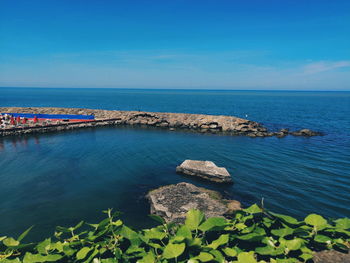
pixel 172 202
pixel 206 170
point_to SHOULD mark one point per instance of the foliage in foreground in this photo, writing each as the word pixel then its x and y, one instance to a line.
pixel 250 236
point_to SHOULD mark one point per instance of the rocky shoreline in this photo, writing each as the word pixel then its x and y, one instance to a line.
pixel 173 121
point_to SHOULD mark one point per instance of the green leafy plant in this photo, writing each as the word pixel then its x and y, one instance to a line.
pixel 252 235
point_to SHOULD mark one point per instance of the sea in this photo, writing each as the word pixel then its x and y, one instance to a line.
pixel 61 178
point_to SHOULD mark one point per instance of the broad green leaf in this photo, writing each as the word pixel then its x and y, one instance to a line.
pixel 267 222
pixel 267 250
pixel 230 252
pixel 130 234
pixel 148 258
pixel 32 258
pixel 204 257
pixel 10 242
pixel 222 240
pixel 178 239
pixel 251 237
pixel 315 220
pixel 212 223
pixel 248 229
pixel 134 249
pixel 103 223
pixel 67 250
pixel 82 253
pixel 184 231
pixel 260 231
pixel 240 226
pixel 322 239
pixel 286 219
pixel 154 233
pixel 58 246
pixel 246 257
pixel 246 218
pixel 196 242
pixel 24 234
pixel 117 223
pixel 44 246
pixel 343 223
pixel 173 250
pixel 287 260
pixel 282 232
pixel 193 219
pixel 218 256
pixel 294 244
pixel 53 258
pixel 253 209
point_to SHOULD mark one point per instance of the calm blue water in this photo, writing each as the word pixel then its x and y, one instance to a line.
pixel 58 179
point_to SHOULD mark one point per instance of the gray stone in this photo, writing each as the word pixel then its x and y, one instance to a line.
pixel 206 170
pixel 172 202
pixel 331 256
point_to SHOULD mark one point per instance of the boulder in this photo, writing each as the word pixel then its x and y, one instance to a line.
pixel 331 256
pixel 172 202
pixel 206 170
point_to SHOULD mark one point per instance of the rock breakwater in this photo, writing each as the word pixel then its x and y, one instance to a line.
pixel 173 121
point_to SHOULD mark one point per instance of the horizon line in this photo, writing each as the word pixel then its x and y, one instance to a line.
pixel 176 88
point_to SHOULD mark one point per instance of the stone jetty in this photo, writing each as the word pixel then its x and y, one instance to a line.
pixel 172 202
pixel 206 170
pixel 194 122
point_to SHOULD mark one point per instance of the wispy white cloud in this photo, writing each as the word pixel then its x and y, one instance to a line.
pixel 322 66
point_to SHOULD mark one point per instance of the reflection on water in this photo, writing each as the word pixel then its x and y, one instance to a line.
pixel 21 142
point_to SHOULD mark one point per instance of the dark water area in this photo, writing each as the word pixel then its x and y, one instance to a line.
pixel 61 178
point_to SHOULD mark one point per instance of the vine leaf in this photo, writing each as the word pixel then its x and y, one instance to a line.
pixel 193 219
pixel 173 250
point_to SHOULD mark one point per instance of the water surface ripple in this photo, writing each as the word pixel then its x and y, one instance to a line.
pixel 58 179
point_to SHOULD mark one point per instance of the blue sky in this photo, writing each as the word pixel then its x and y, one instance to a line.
pixel 217 44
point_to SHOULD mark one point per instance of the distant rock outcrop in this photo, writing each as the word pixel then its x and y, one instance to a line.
pixel 306 132
pixel 172 202
pixel 206 170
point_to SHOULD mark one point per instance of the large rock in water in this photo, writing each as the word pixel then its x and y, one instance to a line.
pixel 172 202
pixel 331 256
pixel 206 170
